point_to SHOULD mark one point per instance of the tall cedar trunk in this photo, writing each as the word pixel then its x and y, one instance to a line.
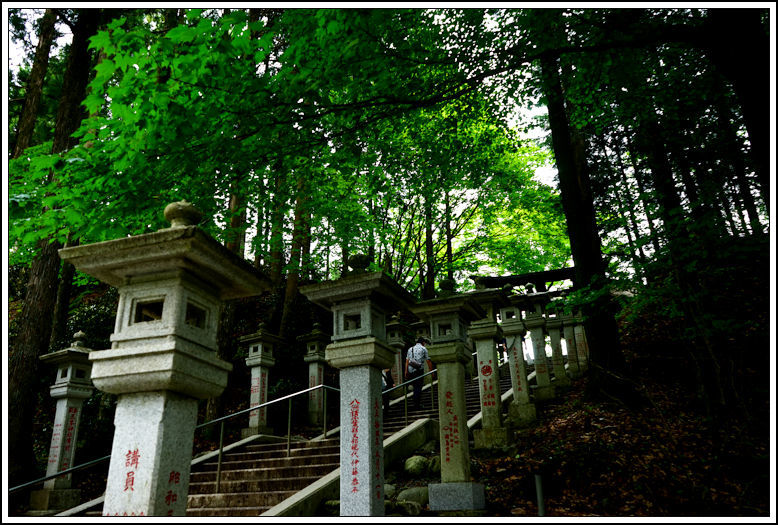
pixel 35 319
pixel 679 245
pixel 734 35
pixel 630 205
pixel 734 154
pixel 449 236
pixel 345 253
pixel 635 250
pixel 62 304
pixel 68 271
pixel 642 196
pixel 34 90
pixel 371 231
pixel 429 254
pixel 601 329
pixel 299 233
pixel 277 232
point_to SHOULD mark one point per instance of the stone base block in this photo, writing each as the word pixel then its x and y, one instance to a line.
pixel 494 437
pixel 521 415
pixel 457 496
pixel 54 499
pixel 562 380
pixel 543 393
pixel 255 431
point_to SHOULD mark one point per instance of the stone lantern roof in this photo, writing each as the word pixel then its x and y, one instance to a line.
pixel 379 288
pixel 462 304
pixel 183 246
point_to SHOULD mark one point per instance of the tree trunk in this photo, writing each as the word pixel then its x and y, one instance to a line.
pixel 277 232
pixel 35 319
pixel 62 305
pixel 299 234
pixel 681 246
pixel 428 290
pixel 734 153
pixel 734 35
pixel 34 90
pixel 600 324
pixel 449 238
pixel 236 234
pixel 345 254
pixel 630 206
pixel 655 235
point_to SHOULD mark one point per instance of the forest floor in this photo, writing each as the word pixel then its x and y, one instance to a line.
pixel 603 459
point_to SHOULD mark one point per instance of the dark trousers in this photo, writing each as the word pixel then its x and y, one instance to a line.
pixel 417 384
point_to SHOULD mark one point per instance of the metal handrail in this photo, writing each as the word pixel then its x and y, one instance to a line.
pixel 58 474
pixel 288 397
pixel 238 413
pixel 217 420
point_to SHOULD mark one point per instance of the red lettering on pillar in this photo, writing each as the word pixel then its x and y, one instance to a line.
pixel 377 446
pixel 131 460
pixel 354 408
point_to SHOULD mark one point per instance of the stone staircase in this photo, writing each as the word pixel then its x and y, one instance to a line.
pixel 257 477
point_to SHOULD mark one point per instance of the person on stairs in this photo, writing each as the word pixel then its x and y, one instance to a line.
pixel 415 358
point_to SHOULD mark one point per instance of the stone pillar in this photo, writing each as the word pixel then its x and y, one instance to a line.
pixel 456 491
pixel 568 329
pixel 361 423
pixel 395 339
pixel 581 344
pixel 260 360
pixel 536 323
pixel 163 353
pixel 521 411
pixel 448 319
pixel 492 433
pixel 315 342
pixel 71 387
pixel 554 327
pixel 358 303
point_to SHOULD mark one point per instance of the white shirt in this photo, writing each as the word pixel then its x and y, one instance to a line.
pixel 418 353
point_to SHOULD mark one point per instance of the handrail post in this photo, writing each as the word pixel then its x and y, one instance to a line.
pixel 219 463
pixel 289 430
pixel 432 393
pixel 405 404
pixel 324 415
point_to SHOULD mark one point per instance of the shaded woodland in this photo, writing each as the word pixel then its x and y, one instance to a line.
pixel 412 136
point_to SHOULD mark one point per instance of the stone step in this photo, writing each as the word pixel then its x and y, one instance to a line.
pixel 271 462
pixel 281 445
pixel 265 485
pixel 258 474
pixel 239 499
pixel 226 511
pixel 251 455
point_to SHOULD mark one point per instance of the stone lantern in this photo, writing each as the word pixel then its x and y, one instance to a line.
pixel 395 328
pixel 554 328
pixel 162 360
pixel 486 334
pixel 71 387
pixel 315 342
pixel 260 360
pixel 521 411
pixel 448 318
pixel 535 323
pixel 580 342
pixel 359 303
